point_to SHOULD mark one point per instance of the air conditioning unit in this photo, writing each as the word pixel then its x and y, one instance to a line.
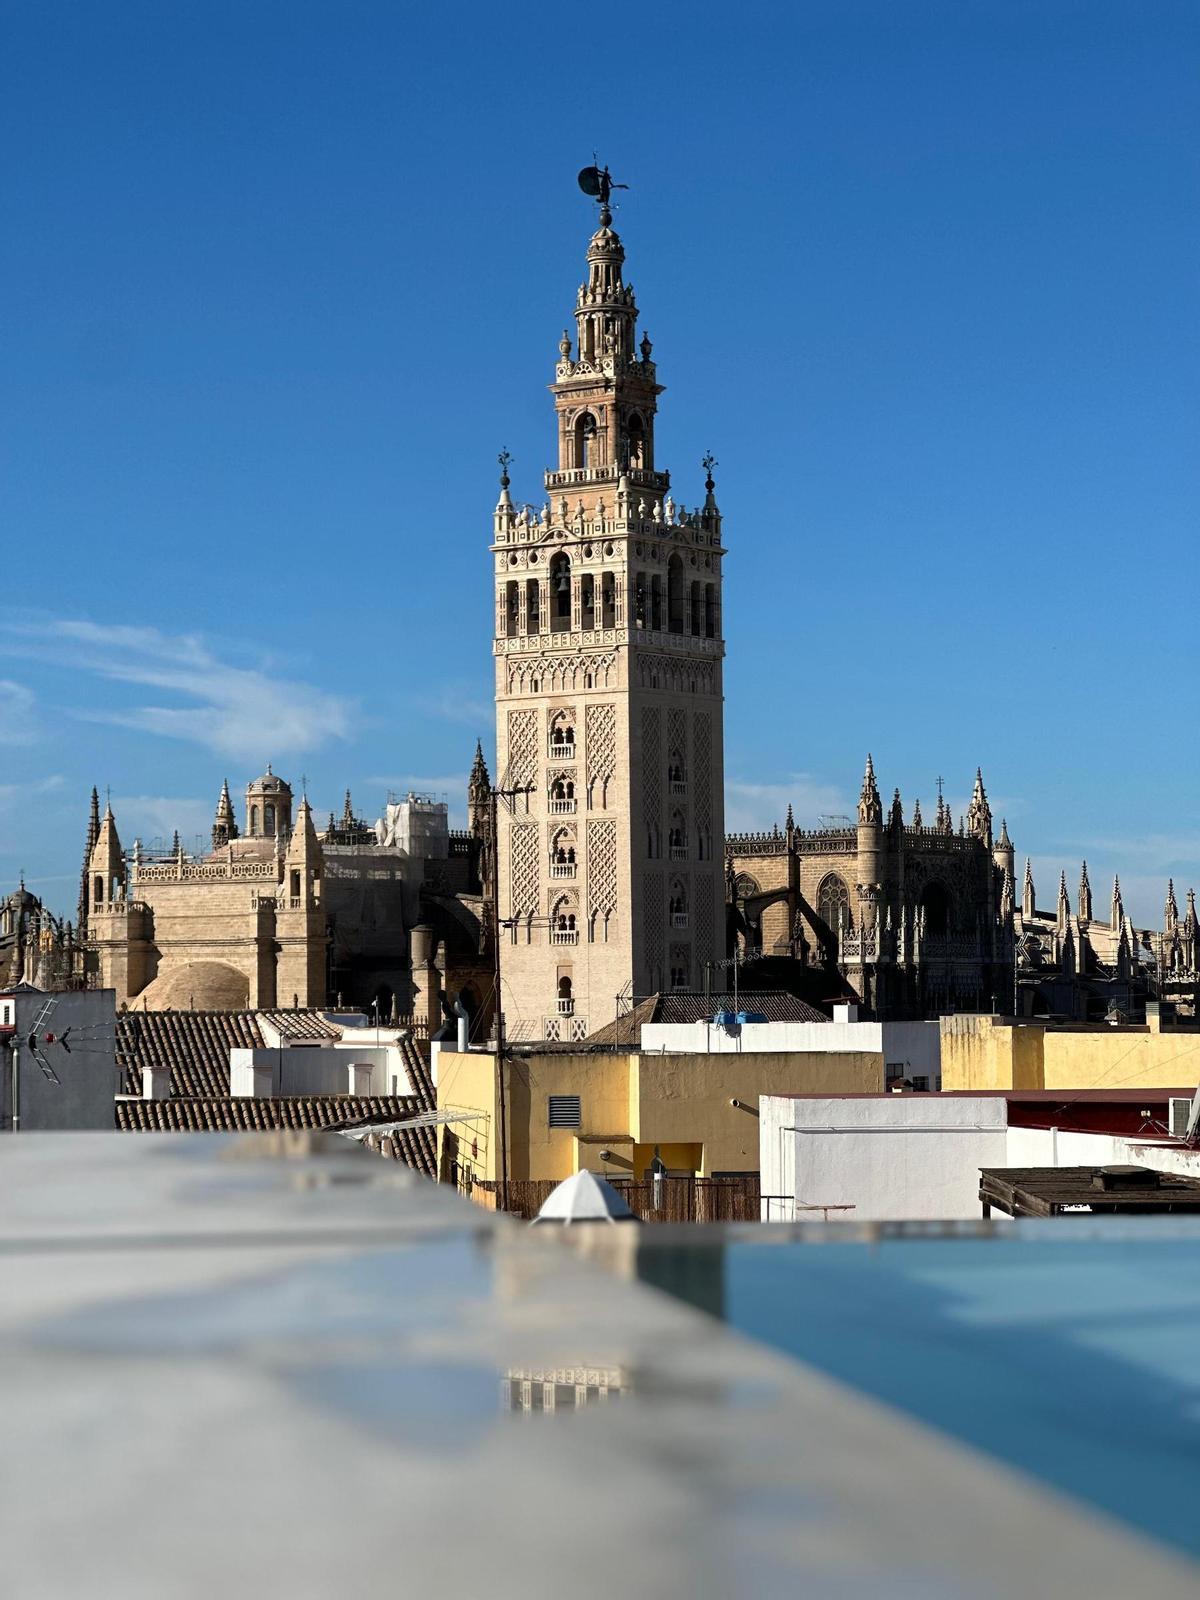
pixel 1179 1114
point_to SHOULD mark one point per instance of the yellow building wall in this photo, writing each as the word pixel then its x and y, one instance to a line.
pixel 983 1052
pixel 680 1103
pixel 1122 1058
pixel 686 1098
pixel 468 1083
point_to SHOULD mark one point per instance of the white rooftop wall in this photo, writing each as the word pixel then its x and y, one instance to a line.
pixel 914 1048
pixel 892 1157
pixel 323 1069
pixel 912 1158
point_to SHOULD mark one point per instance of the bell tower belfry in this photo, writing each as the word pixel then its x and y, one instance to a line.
pixel 608 694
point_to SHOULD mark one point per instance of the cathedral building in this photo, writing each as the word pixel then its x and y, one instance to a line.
pixel 921 920
pixel 387 917
pixel 608 655
pixel 908 915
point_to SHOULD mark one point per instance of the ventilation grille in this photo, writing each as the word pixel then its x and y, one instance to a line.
pixel 564 1111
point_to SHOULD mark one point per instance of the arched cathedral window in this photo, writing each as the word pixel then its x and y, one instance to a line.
pixel 833 902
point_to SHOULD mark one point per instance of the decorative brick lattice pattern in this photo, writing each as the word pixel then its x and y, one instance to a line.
pixel 677 735
pixel 524 878
pixel 653 924
pixel 601 730
pixel 522 748
pixel 681 961
pixel 702 773
pixel 704 918
pixel 602 866
pixel 652 763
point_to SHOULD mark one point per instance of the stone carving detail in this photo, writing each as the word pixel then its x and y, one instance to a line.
pixel 675 675
pixel 653 925
pixel 701 786
pixel 601 730
pixel 522 748
pixel 544 674
pixel 681 962
pixel 524 876
pixel 652 763
pixel 704 918
pixel 602 867
pixel 677 735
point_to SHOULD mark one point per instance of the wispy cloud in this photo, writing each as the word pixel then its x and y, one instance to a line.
pixel 11 794
pixel 460 702
pixel 750 807
pixel 246 713
pixel 18 720
pixel 154 816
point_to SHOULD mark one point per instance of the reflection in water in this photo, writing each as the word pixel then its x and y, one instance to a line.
pixel 529 1389
pixel 695 1274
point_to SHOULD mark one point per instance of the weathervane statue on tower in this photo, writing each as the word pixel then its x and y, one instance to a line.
pixel 597 182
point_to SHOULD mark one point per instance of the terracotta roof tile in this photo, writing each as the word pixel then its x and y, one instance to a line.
pixel 194 1044
pixel 416 1147
pixel 777 1005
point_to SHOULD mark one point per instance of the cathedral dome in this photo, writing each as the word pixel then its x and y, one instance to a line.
pixel 270 784
pixel 199 986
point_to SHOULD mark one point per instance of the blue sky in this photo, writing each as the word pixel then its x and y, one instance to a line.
pixel 278 281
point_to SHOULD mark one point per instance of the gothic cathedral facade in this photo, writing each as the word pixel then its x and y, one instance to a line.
pixel 609 697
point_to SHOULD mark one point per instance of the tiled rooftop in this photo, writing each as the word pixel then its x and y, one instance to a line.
pixel 301 1024
pixel 416 1147
pixel 194 1044
pixel 777 1005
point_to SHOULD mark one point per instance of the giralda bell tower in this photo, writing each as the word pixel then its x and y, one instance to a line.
pixel 608 694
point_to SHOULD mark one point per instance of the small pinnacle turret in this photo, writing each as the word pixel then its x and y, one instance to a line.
pixel 93 833
pixel 870 809
pixel 979 813
pixel 1085 894
pixel 225 828
pixel 479 784
pixel 1171 910
pixel 1028 897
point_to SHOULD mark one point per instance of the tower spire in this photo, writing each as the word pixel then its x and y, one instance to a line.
pixel 1085 894
pixel 225 826
pixel 1171 910
pixel 870 810
pixel 93 833
pixel 979 813
pixel 616 564
pixel 1028 898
